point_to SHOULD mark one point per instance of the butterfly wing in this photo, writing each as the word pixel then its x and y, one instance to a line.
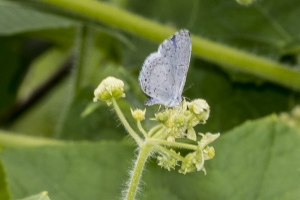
pixel 156 79
pixel 177 49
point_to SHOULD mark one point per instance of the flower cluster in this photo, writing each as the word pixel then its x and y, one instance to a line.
pixel 180 121
pixel 192 161
pixel 173 124
pixel 195 161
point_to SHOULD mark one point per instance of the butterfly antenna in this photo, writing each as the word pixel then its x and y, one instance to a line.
pixel 186 98
pixel 188 87
pixel 159 108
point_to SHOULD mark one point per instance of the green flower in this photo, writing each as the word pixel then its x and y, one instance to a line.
pixel 138 114
pixel 188 165
pixel 200 109
pixel 167 161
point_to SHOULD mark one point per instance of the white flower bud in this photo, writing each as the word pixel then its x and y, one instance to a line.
pixel 109 88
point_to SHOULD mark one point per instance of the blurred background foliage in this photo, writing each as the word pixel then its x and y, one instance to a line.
pixel 52 59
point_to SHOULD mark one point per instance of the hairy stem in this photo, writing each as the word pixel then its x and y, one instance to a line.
pixel 174 144
pixel 137 171
pixel 135 136
pixel 162 133
pixel 155 129
pixel 142 129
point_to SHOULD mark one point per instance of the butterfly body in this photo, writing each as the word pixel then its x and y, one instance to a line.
pixel 164 72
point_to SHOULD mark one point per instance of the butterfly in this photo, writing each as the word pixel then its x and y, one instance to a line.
pixel 164 72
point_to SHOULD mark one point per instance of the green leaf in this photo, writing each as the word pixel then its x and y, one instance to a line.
pixel 257 160
pixel 43 115
pixel 233 103
pixel 233 96
pixel 41 69
pixel 101 124
pixel 263 27
pixel 88 74
pixel 73 171
pixel 41 196
pixel 15 18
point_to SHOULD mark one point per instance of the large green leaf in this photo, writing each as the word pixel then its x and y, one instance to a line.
pixel 72 171
pixel 232 96
pixel 15 18
pixel 231 102
pixel 239 100
pixel 258 160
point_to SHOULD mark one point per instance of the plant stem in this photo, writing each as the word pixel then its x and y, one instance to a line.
pixel 142 129
pixel 160 133
pixel 135 136
pixel 154 129
pixel 9 139
pixel 137 171
pixel 174 144
pixel 215 52
pixel 80 54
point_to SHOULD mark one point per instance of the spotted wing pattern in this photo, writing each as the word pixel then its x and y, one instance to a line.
pixel 164 72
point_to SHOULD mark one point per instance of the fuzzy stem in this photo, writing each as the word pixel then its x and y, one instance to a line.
pixel 154 129
pixel 137 171
pixel 135 136
pixel 142 129
pixel 174 144
pixel 160 134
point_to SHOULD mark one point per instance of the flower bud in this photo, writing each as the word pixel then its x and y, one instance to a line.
pixel 162 117
pixel 200 109
pixel 138 114
pixel 188 165
pixel 109 88
pixel 209 153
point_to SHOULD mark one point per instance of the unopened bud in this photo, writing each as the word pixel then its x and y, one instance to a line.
pixel 109 88
pixel 138 114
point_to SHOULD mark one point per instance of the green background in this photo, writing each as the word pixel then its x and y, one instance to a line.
pixel 73 148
